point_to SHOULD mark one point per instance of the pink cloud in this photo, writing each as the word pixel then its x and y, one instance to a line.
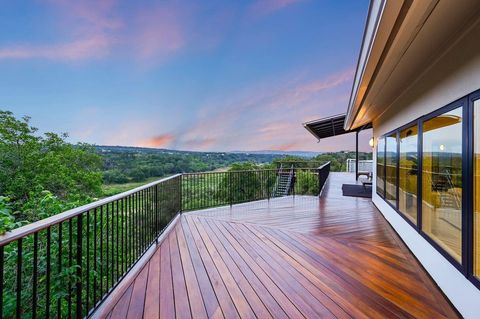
pixel 264 7
pixel 285 147
pixel 88 16
pixel 93 47
pixel 92 29
pixel 159 32
pixel 88 24
pixel 163 140
pixel 268 116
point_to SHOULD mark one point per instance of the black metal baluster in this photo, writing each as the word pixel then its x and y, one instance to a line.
pixel 142 221
pixel 128 219
pixel 70 264
pixel 142 214
pixel 147 219
pixel 116 239
pixel 102 264
pixel 35 275
pixel 130 231
pixel 122 228
pixel 2 268
pixel 79 267
pixel 107 252
pixel 147 224
pixel 19 279
pixel 112 241
pixel 133 237
pixel 134 228
pixel 49 271
pixel 95 261
pixel 59 270
pixel 152 214
pixel 87 292
pixel 148 216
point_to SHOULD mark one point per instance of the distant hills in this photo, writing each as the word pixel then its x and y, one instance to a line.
pixel 106 148
pixel 282 153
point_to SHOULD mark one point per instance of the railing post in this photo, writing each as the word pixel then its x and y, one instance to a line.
pixel 266 184
pixel 294 181
pixel 180 190
pixel 319 181
pixel 157 222
pixel 230 193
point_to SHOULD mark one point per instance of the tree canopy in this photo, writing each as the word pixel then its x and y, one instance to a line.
pixel 34 167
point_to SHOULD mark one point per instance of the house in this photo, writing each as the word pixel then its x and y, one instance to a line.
pixel 266 243
pixel 418 83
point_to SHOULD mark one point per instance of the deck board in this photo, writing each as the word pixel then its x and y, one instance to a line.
pixel 290 257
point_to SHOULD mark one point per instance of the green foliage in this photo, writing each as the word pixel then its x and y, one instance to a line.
pixel 7 220
pixel 306 183
pixel 33 166
pixel 338 160
pixel 129 164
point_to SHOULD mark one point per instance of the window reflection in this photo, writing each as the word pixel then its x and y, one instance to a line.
pixel 476 189
pixel 407 195
pixel 391 167
pixel 381 166
pixel 442 181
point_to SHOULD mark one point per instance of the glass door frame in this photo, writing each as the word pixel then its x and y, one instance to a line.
pixel 470 162
pixel 460 103
pixel 466 267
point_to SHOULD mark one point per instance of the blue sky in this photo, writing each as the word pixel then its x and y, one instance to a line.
pixel 196 75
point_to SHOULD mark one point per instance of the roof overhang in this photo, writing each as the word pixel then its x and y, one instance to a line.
pixel 330 126
pixel 402 39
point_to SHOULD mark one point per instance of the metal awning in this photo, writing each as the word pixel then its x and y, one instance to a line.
pixel 330 126
pixel 333 126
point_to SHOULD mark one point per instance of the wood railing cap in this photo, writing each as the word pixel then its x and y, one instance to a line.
pixel 69 214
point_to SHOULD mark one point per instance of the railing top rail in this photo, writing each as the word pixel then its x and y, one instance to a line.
pixel 299 162
pixel 29 229
pixel 249 171
pixel 324 165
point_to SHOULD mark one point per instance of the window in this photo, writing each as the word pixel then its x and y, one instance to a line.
pixel 408 172
pixel 476 188
pixel 442 181
pixel 391 169
pixel 381 166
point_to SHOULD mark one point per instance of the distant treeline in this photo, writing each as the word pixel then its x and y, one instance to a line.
pixel 131 164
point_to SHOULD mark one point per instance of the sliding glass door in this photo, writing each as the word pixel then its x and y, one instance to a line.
pixel 476 188
pixel 442 181
pixel 381 166
pixel 391 169
pixel 408 172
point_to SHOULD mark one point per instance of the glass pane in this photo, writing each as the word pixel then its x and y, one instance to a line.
pixel 476 188
pixel 442 181
pixel 391 162
pixel 407 195
pixel 381 166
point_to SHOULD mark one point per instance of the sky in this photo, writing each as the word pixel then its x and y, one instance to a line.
pixel 191 75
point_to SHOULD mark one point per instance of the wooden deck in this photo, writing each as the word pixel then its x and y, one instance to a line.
pixel 288 258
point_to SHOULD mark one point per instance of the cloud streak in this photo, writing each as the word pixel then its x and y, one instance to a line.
pixel 265 116
pixel 93 47
pixel 94 29
pixel 158 141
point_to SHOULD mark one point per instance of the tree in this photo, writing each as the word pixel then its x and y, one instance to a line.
pixel 31 164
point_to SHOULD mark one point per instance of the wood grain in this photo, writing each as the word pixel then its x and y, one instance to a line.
pixel 290 257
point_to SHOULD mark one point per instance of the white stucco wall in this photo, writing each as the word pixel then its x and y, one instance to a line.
pixel 455 75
